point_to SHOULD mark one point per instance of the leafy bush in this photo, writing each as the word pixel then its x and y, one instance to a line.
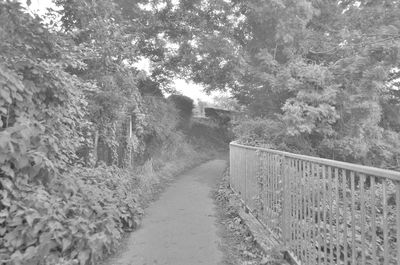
pixel 162 120
pixel 185 106
pixel 79 216
pixel 207 134
pixel 58 89
pixel 382 151
pixel 270 133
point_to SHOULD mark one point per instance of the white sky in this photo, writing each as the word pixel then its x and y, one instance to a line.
pixel 38 6
pixel 195 91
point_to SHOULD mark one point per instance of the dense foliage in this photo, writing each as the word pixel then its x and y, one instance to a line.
pixel 317 77
pixel 323 73
pixel 81 144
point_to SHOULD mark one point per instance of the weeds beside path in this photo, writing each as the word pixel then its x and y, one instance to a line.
pixel 238 244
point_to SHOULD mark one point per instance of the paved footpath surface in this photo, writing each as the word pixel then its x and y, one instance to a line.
pixel 180 228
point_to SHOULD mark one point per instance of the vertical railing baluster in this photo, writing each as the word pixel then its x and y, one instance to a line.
pixel 337 183
pixel 302 211
pixel 270 216
pixel 253 177
pixel 299 241
pixel 231 166
pixel 313 227
pixel 260 185
pixel 264 195
pixel 268 176
pixel 353 220
pixel 362 202
pixel 330 215
pixel 278 206
pixel 278 199
pixel 256 190
pixel 292 202
pixel 298 211
pixel 317 212
pixel 284 200
pixel 344 190
pixel 289 203
pixel 398 220
pixel 297 202
pixel 271 190
pixel 250 182
pixel 385 223
pixel 241 180
pixel 266 192
pixel 306 211
pixel 262 179
pixel 245 174
pixel 373 217
pixel 246 177
pixel 282 197
pixel 237 169
pixel 294 194
pixel 325 225
pixel 312 215
pixel 280 183
pixel 273 193
pixel 242 176
pixel 243 171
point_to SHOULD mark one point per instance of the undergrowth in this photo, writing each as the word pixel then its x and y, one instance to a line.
pixel 79 217
pixel 239 245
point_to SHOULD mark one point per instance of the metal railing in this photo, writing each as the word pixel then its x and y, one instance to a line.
pixel 323 211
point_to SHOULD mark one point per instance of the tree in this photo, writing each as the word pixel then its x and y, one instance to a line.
pixel 185 106
pixel 322 68
pixel 226 102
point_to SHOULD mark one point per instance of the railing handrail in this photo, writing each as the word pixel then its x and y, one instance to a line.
pixel 367 170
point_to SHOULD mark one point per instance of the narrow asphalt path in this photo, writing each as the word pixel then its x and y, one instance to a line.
pixel 180 228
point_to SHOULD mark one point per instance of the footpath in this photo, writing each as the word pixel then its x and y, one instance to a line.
pixel 180 228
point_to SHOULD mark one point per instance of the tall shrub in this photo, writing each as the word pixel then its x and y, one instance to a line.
pixel 185 106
